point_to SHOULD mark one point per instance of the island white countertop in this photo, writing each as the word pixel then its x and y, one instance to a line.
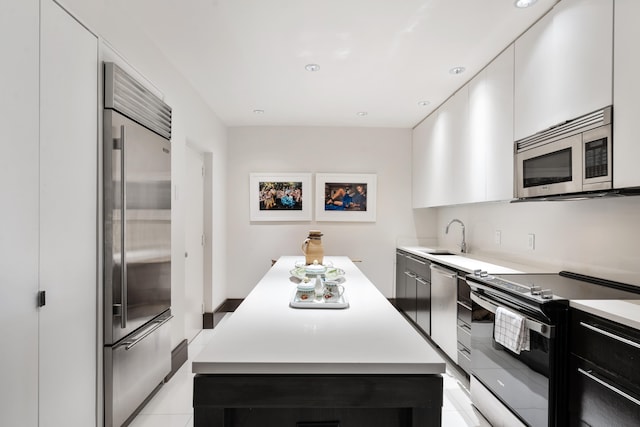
pixel 266 336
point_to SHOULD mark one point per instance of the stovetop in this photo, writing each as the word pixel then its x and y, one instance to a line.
pixel 544 288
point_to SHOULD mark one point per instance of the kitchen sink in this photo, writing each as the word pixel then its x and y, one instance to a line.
pixel 437 252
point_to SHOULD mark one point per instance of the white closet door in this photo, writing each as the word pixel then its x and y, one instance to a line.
pixel 19 213
pixel 68 220
pixel 194 244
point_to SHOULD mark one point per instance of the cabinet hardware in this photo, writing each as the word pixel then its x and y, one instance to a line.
pixel 130 344
pixel 591 376
pixel 610 335
pixel 42 298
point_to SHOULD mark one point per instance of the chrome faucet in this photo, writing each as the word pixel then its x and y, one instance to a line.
pixel 463 245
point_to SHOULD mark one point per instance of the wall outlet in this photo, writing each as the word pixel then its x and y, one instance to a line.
pixel 531 241
pixel 497 237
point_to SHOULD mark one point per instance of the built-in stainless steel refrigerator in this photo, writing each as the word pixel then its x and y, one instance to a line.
pixel 137 244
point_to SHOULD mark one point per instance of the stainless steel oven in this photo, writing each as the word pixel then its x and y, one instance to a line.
pixel 522 382
pixel 530 386
pixel 573 157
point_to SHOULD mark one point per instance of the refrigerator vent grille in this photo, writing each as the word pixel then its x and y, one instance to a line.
pixel 125 95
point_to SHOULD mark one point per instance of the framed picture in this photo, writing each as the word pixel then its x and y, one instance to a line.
pixel 280 197
pixel 345 197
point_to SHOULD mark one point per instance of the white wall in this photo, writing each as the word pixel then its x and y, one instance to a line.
pixel 193 122
pixel 385 152
pixel 597 237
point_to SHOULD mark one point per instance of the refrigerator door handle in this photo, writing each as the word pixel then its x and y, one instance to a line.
pixel 158 323
pixel 123 232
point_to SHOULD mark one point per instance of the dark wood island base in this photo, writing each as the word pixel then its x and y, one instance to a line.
pixel 324 400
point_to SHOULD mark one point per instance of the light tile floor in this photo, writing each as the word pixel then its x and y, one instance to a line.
pixel 171 406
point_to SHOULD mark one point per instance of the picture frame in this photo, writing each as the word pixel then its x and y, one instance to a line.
pixel 346 197
pixel 280 197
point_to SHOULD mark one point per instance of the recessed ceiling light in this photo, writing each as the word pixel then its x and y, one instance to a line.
pixel 312 67
pixel 362 113
pixel 424 103
pixel 457 70
pixel 258 111
pixel 524 3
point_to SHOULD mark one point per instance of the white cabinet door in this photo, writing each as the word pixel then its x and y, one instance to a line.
pixel 497 127
pixel 68 220
pixel 534 85
pixel 626 92
pixel 421 162
pixel 19 213
pixel 438 155
pixel 463 152
pixel 458 155
pixel 480 121
pixel 563 65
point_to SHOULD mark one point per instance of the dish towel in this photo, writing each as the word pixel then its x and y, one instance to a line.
pixel 510 330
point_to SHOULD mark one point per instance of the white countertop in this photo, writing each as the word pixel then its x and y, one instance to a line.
pixel 265 335
pixel 471 262
pixel 624 312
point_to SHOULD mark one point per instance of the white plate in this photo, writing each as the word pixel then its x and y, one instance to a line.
pixel 331 273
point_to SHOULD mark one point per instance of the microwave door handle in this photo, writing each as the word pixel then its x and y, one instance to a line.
pixel 123 229
pixel 534 325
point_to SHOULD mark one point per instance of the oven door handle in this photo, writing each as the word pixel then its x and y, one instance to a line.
pixel 534 325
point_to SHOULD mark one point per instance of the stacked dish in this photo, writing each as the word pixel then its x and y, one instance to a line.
pixel 310 288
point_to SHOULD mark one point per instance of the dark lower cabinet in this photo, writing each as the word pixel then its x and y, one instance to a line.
pixel 279 400
pixel 409 305
pixel 413 289
pixel 314 417
pixel 599 398
pixel 604 387
pixel 401 263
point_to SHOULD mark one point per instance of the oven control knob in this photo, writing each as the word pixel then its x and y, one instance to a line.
pixel 546 294
pixel 536 290
pixel 484 274
pixel 477 272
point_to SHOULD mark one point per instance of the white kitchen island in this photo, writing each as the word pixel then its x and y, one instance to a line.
pixel 273 365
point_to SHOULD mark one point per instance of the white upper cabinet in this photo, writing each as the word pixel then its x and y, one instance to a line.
pixel 453 156
pixel 437 154
pixel 491 130
pixel 626 93
pixel 563 65
pixel 463 152
pixel 421 168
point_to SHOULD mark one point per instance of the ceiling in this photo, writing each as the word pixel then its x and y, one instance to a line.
pixel 380 57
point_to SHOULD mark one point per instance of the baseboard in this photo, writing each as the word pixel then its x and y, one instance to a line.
pixel 179 356
pixel 207 321
pixel 210 320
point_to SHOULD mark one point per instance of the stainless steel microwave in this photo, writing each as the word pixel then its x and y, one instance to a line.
pixel 572 157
